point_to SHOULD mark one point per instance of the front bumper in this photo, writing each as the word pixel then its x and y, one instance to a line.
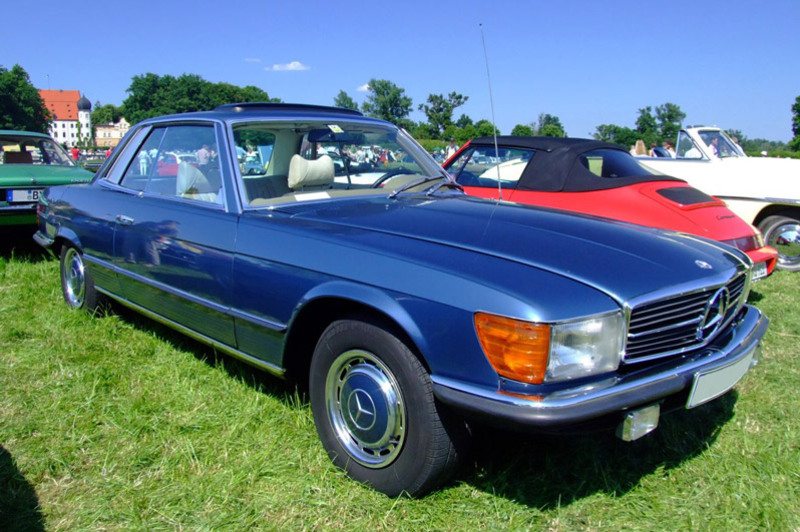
pixel 611 396
pixel 766 255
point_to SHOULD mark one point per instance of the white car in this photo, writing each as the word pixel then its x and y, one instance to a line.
pixel 764 191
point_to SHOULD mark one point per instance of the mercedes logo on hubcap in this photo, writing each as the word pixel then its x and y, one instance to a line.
pixel 361 409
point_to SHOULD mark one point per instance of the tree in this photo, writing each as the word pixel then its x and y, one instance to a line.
pixel 670 119
pixel 439 110
pixel 388 102
pixel 152 95
pixel 624 136
pixel 344 101
pixel 524 131
pixel 646 126
pixel 106 114
pixel 21 106
pixel 794 144
pixel 549 124
pixel 464 121
pixel 485 128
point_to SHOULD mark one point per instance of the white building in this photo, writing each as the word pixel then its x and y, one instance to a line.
pixel 72 116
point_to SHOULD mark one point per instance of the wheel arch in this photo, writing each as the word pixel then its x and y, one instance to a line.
pixel 777 209
pixel 337 302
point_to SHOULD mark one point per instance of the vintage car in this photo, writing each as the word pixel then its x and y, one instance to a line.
pixel 408 308
pixel 603 179
pixel 28 163
pixel 764 191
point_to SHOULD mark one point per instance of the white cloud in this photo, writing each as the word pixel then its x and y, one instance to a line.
pixel 294 66
pixel 363 88
pixel 252 60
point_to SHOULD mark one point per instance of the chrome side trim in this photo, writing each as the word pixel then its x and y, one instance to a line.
pixel 213 306
pixel 244 357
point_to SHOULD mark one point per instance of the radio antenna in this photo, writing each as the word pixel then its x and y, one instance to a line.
pixel 494 126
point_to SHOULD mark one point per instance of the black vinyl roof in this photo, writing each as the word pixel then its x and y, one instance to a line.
pixel 556 166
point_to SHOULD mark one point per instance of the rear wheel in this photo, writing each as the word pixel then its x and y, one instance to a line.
pixel 77 284
pixel 375 412
pixel 783 233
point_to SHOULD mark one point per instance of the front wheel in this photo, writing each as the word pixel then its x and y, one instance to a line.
pixel 783 233
pixel 375 412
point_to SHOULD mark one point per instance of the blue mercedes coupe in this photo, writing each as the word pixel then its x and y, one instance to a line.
pixel 348 260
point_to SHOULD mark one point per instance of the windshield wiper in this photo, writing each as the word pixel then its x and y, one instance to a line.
pixel 412 184
pixel 446 183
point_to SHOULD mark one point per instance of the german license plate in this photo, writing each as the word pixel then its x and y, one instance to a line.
pixel 23 196
pixel 709 385
pixel 759 270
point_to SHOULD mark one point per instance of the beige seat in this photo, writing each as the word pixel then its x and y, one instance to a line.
pixel 305 174
pixel 191 183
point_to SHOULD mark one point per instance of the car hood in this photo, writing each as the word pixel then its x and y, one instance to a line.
pixel 625 261
pixel 43 175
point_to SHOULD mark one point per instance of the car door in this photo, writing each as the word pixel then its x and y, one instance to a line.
pixel 174 237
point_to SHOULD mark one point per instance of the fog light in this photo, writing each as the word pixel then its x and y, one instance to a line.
pixel 639 423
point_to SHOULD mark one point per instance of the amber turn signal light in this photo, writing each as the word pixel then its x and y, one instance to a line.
pixel 516 349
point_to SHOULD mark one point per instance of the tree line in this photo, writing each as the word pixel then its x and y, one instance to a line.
pixel 151 95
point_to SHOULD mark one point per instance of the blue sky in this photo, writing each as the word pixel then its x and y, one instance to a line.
pixel 731 63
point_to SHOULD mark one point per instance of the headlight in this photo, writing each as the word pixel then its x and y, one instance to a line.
pixel 534 353
pixel 586 347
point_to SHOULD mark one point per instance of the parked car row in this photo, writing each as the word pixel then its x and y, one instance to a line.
pixel 764 191
pixel 602 179
pixel 29 162
pixel 409 309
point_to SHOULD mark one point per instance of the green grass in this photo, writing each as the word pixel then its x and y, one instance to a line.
pixel 115 422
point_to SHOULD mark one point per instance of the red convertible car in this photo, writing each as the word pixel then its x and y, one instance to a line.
pixel 602 179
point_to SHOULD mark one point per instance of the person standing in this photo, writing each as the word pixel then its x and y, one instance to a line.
pixel 451 149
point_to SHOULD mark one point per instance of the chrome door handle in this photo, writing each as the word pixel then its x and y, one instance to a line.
pixel 126 220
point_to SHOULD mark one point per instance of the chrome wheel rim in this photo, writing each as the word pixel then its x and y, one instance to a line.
pixel 786 239
pixel 74 278
pixel 365 408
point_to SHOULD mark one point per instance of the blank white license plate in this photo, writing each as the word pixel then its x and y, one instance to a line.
pixel 23 196
pixel 759 270
pixel 711 384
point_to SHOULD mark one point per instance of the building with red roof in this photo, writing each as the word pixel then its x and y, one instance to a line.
pixel 72 116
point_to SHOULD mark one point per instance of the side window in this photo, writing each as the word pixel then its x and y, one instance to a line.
pixel 177 161
pixel 482 167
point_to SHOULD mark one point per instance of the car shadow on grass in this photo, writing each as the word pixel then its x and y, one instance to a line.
pixel 18 244
pixel 541 471
pixel 19 505
pixel 548 472
pixel 254 377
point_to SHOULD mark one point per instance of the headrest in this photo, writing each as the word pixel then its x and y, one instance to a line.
pixel 191 180
pixel 305 173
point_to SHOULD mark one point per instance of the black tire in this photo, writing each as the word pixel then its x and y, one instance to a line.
pixel 388 432
pixel 783 233
pixel 77 284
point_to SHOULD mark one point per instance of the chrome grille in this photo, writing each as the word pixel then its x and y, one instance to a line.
pixel 682 323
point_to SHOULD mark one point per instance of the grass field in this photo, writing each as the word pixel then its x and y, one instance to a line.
pixel 116 423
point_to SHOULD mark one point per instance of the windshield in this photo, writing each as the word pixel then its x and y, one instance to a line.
pixel 719 144
pixel 20 149
pixel 290 161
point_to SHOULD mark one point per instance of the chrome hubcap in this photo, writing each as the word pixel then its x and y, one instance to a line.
pixel 786 239
pixel 366 408
pixel 74 278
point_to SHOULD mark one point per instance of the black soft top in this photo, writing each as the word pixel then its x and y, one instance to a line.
pixel 556 166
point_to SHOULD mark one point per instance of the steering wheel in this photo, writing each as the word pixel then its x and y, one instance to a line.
pixel 390 174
